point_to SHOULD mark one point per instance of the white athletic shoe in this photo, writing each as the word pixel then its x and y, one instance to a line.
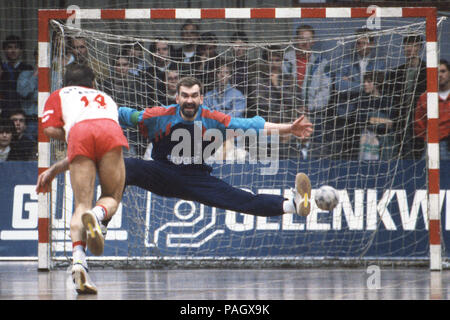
pixel 302 194
pixel 82 281
pixel 95 240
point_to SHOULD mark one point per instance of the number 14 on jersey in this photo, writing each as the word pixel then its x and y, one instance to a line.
pixel 100 99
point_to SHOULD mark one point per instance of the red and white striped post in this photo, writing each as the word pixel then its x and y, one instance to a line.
pixel 434 225
pixel 45 16
pixel 44 259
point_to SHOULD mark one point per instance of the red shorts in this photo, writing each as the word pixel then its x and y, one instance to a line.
pixel 94 138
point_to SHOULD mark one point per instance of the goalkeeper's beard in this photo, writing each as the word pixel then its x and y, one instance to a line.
pixel 189 110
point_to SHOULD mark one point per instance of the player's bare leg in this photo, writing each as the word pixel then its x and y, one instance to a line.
pixel 111 172
pixel 82 173
pixel 82 178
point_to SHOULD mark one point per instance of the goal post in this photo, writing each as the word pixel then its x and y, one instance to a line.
pixel 145 235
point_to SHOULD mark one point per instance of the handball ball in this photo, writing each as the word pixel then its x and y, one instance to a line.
pixel 327 198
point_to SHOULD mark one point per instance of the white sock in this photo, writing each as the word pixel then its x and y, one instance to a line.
pixel 288 206
pixel 79 255
pixel 100 212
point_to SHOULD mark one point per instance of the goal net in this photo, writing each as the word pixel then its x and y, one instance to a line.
pixel 357 80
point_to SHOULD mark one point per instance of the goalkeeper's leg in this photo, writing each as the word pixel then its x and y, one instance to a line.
pixel 215 192
pixel 197 185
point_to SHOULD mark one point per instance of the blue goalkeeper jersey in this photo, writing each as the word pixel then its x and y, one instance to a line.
pixel 184 142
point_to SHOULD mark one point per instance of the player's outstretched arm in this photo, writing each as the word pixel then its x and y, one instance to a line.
pixel 45 178
pixel 301 128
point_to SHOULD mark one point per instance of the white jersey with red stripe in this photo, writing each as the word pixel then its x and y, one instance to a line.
pixel 67 106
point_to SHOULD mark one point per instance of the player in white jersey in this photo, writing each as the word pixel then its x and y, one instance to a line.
pixel 87 119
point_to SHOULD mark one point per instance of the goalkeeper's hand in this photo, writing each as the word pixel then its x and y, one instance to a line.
pixel 302 127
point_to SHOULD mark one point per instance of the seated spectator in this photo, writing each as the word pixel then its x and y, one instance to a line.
pixel 351 68
pixel 241 62
pixel 25 145
pixel 135 54
pixel 27 87
pixel 444 112
pixel 206 60
pixel 360 119
pixel 272 96
pixel 224 97
pixel 272 92
pixel 313 83
pixel 190 34
pixel 11 68
pixel 155 75
pixel 125 88
pixel 61 57
pixel 408 83
pixel 172 76
pixel 7 151
pixel 128 90
pixel 374 121
pixel 308 69
pixel 82 55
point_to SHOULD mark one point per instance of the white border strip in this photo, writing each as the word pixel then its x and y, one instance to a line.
pixel 432 105
pixel 434 206
pixel 90 14
pixel 433 155
pixel 43 55
pixel 288 13
pixel 338 12
pixel 42 98
pixel 237 13
pixel 389 12
pixel 137 13
pixel 188 14
pixel 435 257
pixel 432 54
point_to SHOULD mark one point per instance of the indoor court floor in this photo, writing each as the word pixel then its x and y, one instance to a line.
pixel 22 281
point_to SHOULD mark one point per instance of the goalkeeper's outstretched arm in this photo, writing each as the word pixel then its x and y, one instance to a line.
pixel 301 128
pixel 129 117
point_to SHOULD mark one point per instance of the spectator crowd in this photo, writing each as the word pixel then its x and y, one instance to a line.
pixel 361 108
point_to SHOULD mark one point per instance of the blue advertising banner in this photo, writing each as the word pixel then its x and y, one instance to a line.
pixel 382 213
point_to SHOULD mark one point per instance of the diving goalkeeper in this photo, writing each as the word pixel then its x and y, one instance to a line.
pixel 166 176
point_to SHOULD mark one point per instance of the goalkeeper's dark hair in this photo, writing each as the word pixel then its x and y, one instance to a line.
pixel 189 82
pixel 78 75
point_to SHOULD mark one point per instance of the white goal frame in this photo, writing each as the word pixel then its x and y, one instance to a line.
pixel 428 13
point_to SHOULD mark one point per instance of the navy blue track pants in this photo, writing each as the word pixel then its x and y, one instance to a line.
pixel 194 184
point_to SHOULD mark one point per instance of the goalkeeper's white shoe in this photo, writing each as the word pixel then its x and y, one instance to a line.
pixel 95 240
pixel 302 194
pixel 82 281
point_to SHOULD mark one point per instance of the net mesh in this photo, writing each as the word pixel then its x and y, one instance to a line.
pixel 363 142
